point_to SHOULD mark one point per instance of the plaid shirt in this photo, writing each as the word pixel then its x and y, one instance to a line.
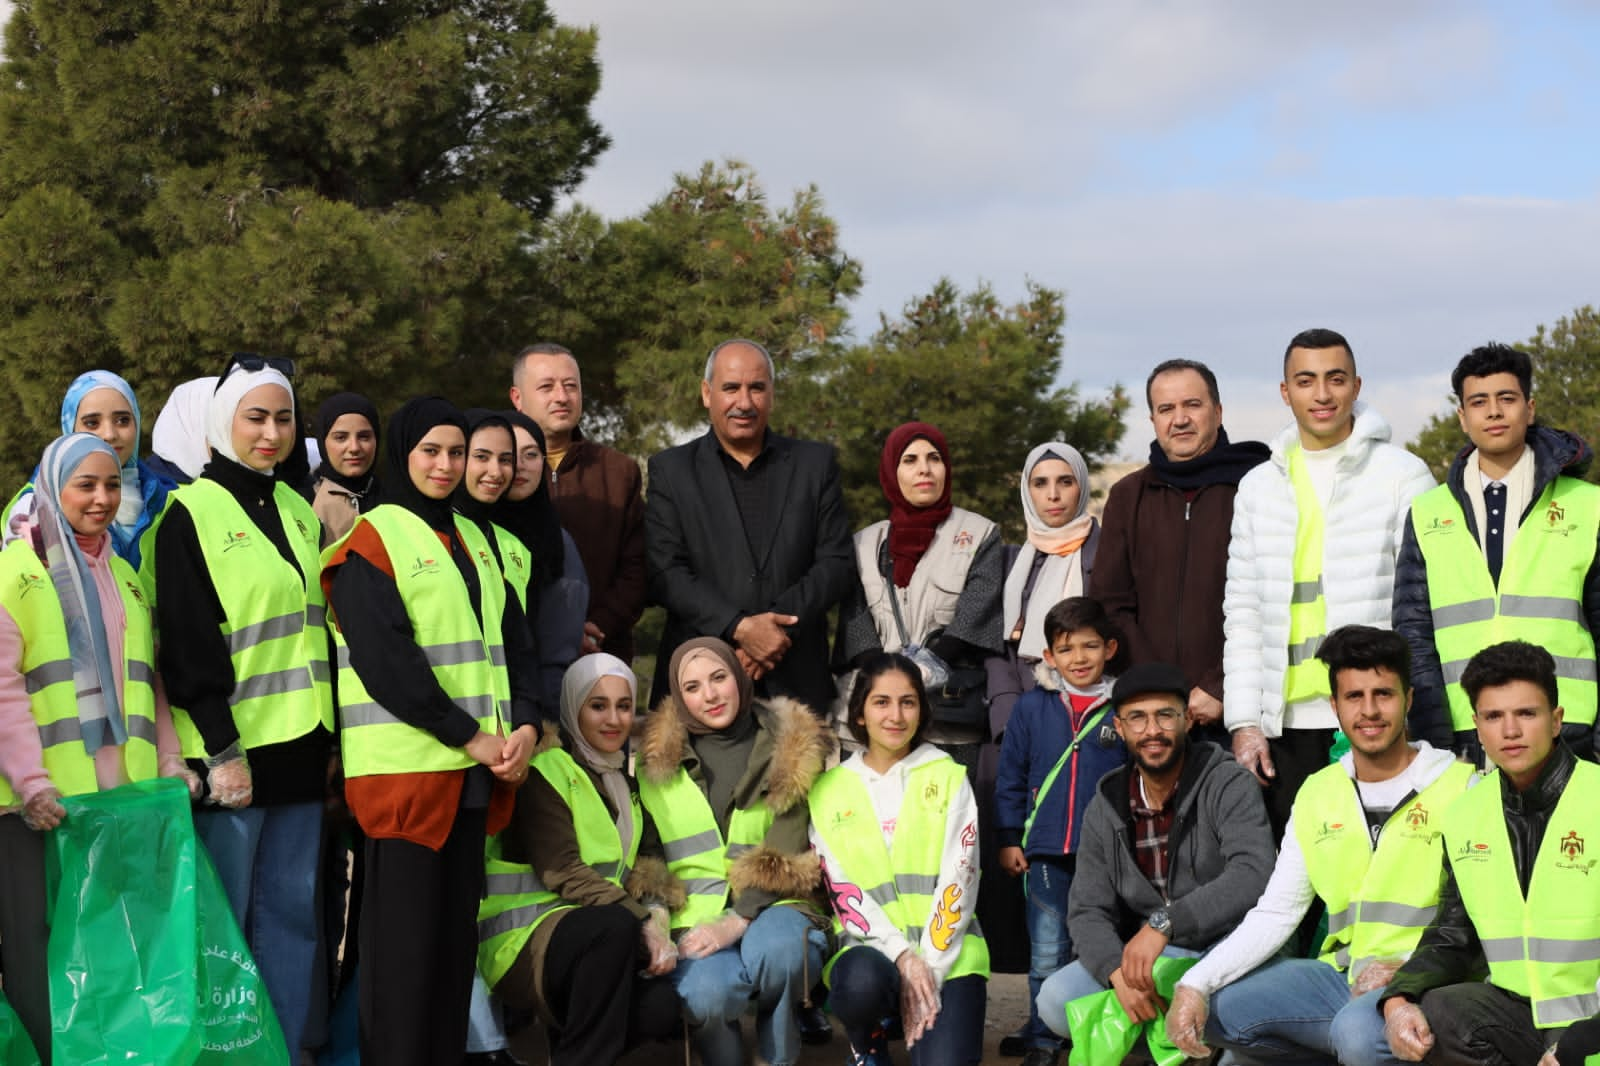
pixel 1150 829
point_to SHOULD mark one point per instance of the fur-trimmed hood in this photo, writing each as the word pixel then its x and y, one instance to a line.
pixel 799 745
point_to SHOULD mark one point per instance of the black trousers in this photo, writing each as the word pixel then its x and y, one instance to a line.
pixel 1296 755
pixel 419 945
pixel 1481 1025
pixel 24 929
pixel 592 982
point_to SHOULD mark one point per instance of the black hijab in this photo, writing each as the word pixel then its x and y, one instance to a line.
pixel 406 429
pixel 534 521
pixel 476 510
pixel 332 409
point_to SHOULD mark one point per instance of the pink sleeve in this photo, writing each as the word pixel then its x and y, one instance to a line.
pixel 21 756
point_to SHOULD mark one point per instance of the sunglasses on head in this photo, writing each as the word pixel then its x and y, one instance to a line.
pixel 252 361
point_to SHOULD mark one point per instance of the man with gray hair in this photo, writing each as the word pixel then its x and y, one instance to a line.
pixel 746 535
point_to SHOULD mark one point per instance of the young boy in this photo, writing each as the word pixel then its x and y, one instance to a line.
pixel 1058 744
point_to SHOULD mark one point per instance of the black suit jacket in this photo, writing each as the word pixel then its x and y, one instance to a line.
pixel 707 575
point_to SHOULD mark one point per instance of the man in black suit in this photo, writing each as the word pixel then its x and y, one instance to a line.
pixel 746 536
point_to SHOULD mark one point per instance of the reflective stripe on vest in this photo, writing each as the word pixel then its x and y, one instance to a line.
pixel 273 616
pixel 1306 676
pixel 517 901
pixel 1545 947
pixel 29 597
pixel 1377 903
pixel 900 877
pixel 695 850
pixel 1539 598
pixel 470 668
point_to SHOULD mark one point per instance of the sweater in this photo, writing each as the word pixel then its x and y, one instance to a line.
pixel 598 493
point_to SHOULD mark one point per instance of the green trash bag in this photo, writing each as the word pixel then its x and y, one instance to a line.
pixel 15 1047
pixel 146 962
pixel 1102 1034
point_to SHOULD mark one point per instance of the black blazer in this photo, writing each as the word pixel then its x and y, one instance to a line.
pixel 707 575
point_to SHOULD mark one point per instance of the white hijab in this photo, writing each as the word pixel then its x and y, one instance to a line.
pixel 576 684
pixel 226 400
pixel 1060 576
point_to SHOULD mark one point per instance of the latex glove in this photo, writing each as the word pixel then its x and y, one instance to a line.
pixel 919 995
pixel 172 765
pixel 1251 752
pixel 231 785
pixel 44 811
pixel 1013 861
pixel 593 637
pixel 1186 1022
pixel 659 947
pixel 1549 1059
pixel 1375 974
pixel 708 938
pixel 1407 1030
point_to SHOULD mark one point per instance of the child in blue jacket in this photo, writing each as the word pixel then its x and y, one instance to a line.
pixel 1057 745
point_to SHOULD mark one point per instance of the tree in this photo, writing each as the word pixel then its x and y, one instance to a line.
pixel 1566 390
pixel 985 374
pixel 358 186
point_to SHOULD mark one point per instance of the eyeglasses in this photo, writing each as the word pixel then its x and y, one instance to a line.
pixel 1138 721
pixel 253 361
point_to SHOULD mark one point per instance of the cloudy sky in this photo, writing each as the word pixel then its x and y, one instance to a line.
pixel 1203 179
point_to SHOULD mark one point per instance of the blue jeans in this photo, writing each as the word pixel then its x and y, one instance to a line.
pixel 266 858
pixel 1046 884
pixel 485 1030
pixel 1075 982
pixel 774 963
pixel 1298 1010
pixel 865 990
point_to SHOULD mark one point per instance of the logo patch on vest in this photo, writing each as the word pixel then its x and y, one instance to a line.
pixel 1416 816
pixel 27 583
pixel 1471 852
pixel 424 566
pixel 962 541
pixel 1571 846
pixel 1555 520
pixel 237 539
pixel 1439 525
pixel 1328 831
pixel 134 590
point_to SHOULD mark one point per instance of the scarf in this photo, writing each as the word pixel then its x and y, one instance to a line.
pixel 93 672
pixel 911 529
pixel 1224 464
pixel 330 411
pixel 180 433
pixel 225 403
pixel 406 429
pixel 534 520
pixel 576 684
pixel 127 525
pixel 702 647
pixel 1061 573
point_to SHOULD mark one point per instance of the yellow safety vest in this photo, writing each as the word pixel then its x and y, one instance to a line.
pixel 695 850
pixel 1539 598
pixel 469 662
pixel 517 901
pixel 273 618
pixel 516 563
pixel 29 596
pixel 1379 901
pixel 900 877
pixel 1545 947
pixel 1306 676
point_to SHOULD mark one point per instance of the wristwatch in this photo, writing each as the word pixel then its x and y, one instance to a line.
pixel 1160 921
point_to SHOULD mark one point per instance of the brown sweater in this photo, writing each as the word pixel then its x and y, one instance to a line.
pixel 598 494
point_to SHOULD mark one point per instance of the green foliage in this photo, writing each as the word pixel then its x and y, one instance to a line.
pixel 984 373
pixel 1566 390
pixel 357 185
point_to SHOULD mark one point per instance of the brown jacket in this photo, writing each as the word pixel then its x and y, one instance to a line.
pixel 598 493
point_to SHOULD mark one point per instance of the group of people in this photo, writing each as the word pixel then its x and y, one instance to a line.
pixel 1174 738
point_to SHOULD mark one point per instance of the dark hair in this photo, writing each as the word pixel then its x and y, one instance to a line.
pixel 1170 366
pixel 542 348
pixel 1493 358
pixel 1084 612
pixel 1318 339
pixel 1366 648
pixel 876 665
pixel 1508 661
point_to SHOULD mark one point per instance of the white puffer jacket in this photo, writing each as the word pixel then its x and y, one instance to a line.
pixel 1374 485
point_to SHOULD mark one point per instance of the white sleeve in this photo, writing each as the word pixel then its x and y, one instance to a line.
pixel 1241 616
pixel 1262 931
pixel 955 896
pixel 861 919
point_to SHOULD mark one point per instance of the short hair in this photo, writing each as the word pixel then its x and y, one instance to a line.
pixel 1489 359
pixel 1366 648
pixel 1318 339
pixel 876 665
pixel 711 360
pixel 1508 661
pixel 542 348
pixel 1079 612
pixel 1170 366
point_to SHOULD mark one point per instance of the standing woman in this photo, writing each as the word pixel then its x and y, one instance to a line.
pixel 78 709
pixel 102 403
pixel 724 777
pixel 344 484
pixel 558 933
pixel 434 709
pixel 895 827
pixel 244 657
pixel 931 577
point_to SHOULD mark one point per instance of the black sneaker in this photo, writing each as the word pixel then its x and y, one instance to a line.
pixel 815 1028
pixel 1040 1056
pixel 1015 1045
